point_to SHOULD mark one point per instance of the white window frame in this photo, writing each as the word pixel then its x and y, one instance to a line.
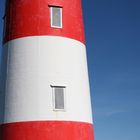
pixel 51 16
pixel 53 98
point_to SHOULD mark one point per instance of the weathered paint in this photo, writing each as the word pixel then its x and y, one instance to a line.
pixel 31 18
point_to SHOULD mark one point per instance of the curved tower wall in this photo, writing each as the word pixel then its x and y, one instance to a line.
pixel 47 93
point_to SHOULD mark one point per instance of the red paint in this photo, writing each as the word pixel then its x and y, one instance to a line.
pixel 32 18
pixel 47 130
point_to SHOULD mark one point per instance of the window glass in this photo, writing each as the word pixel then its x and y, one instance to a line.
pixel 59 97
pixel 56 17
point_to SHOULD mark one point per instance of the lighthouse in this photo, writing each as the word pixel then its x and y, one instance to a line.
pixel 45 83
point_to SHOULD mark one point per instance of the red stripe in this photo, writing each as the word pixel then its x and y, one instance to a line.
pixel 47 130
pixel 32 18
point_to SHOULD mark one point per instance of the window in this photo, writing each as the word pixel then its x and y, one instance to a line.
pixel 58 98
pixel 56 17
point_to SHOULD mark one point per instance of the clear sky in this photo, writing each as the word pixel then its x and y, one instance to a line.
pixel 113 47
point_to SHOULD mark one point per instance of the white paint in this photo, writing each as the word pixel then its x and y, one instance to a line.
pixel 35 63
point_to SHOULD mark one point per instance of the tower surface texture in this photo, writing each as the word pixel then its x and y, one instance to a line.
pixel 45 87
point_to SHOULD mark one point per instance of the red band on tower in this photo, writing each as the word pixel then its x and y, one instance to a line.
pixel 50 130
pixel 32 18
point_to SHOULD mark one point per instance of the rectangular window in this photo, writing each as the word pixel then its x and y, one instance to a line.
pixel 56 17
pixel 59 98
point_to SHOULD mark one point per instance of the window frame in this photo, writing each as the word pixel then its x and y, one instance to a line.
pixel 51 16
pixel 53 98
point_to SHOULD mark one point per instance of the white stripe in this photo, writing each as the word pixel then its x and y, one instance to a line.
pixel 34 64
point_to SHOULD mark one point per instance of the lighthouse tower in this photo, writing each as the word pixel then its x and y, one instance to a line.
pixel 46 86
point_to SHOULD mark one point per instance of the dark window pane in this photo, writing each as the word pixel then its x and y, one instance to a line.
pixel 56 17
pixel 59 98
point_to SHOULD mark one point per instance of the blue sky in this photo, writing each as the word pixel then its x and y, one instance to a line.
pixel 113 46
